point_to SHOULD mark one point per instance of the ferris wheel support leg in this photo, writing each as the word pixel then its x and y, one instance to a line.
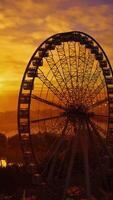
pixel 55 156
pixel 84 143
pixel 73 154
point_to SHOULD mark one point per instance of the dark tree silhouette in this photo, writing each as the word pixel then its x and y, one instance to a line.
pixel 3 145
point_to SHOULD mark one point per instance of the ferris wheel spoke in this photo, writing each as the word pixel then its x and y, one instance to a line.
pixel 94 76
pixel 100 129
pixel 72 59
pixel 60 126
pixel 82 62
pixel 84 143
pixel 98 103
pixel 63 93
pixel 78 71
pixel 102 142
pixel 94 93
pixel 63 161
pixel 55 70
pixel 56 151
pixel 98 89
pixel 70 167
pixel 72 64
pixel 47 119
pixel 76 63
pixel 92 81
pixel 65 69
pixel 57 125
pixel 81 65
pixel 73 69
pixel 53 148
pixel 100 118
pixel 52 158
pixel 87 74
pixel 50 85
pixel 48 102
pixel 88 69
pixel 94 141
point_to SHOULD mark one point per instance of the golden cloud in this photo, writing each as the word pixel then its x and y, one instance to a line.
pixel 25 24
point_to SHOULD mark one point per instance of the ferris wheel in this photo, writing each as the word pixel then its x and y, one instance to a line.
pixel 66 96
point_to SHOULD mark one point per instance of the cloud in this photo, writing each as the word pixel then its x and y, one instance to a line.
pixel 4 23
pixel 27 23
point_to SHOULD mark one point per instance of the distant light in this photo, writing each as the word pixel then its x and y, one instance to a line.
pixel 10 164
pixel 3 163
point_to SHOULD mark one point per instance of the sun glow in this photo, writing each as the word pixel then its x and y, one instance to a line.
pixel 1 87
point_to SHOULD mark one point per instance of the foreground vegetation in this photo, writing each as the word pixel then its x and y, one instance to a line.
pixel 14 179
pixel 10 147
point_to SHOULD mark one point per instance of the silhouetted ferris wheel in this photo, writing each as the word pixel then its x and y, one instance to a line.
pixel 66 96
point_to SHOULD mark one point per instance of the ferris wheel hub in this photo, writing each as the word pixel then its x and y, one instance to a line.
pixel 75 112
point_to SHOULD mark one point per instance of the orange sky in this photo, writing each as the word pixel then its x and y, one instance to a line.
pixel 24 24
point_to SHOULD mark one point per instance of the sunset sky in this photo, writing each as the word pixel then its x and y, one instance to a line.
pixel 24 24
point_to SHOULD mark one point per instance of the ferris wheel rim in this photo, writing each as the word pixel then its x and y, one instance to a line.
pixel 58 35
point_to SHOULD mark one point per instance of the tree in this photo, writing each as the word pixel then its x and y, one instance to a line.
pixel 3 140
pixel 3 145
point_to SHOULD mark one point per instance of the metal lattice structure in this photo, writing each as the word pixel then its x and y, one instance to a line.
pixel 67 92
